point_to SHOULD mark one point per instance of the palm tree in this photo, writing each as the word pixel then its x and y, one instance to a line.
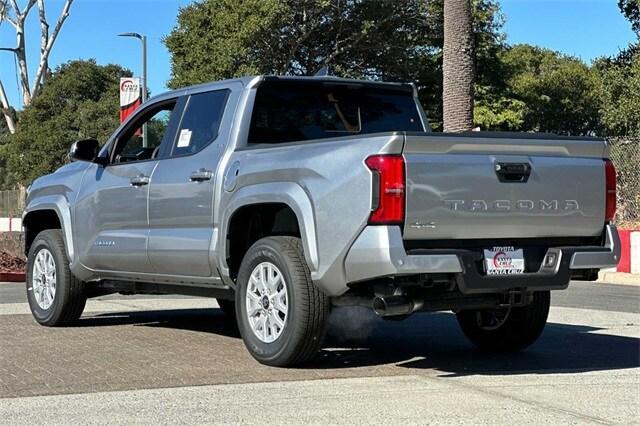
pixel 458 66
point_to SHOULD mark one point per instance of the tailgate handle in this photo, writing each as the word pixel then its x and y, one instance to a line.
pixel 513 172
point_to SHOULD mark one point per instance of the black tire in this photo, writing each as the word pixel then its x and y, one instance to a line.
pixel 70 298
pixel 519 329
pixel 307 308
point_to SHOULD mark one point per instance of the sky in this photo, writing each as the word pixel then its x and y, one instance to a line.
pixel 587 29
pixel 583 28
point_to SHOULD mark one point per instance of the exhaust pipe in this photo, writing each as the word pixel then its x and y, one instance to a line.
pixel 387 306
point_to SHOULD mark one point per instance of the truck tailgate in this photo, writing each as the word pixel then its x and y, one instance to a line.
pixel 484 186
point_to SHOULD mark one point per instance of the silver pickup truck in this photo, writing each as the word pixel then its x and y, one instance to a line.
pixel 285 196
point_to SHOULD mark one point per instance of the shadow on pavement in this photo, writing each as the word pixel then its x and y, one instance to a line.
pixel 357 338
pixel 203 320
pixel 434 341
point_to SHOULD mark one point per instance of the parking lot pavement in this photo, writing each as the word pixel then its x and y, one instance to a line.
pixel 412 399
pixel 188 364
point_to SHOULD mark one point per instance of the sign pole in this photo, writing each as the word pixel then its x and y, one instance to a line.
pixel 143 39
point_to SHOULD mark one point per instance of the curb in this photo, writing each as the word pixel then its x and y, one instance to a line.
pixel 13 277
pixel 618 278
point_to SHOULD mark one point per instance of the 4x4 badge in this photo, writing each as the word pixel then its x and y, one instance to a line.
pixel 420 225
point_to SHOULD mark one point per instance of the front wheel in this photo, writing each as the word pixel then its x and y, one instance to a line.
pixel 506 329
pixel 55 296
pixel 281 314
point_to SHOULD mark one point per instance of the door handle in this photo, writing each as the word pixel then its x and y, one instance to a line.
pixel 139 180
pixel 201 175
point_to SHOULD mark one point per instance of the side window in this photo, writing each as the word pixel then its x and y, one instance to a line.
pixel 200 122
pixel 132 145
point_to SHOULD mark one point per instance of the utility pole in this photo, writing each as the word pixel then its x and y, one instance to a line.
pixel 143 78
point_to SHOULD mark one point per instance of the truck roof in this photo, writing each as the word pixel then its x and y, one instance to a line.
pixel 250 81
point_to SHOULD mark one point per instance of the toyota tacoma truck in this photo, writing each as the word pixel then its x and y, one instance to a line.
pixel 283 197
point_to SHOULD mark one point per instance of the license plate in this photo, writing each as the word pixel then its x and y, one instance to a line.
pixel 504 261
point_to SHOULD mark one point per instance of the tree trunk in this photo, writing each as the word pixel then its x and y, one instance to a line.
pixel 21 55
pixel 7 112
pixel 458 66
pixel 20 51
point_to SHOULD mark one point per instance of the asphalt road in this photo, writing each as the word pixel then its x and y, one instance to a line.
pixel 178 360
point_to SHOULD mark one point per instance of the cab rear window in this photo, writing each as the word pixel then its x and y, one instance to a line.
pixel 286 111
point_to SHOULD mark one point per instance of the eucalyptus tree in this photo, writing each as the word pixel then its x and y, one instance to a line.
pixel 13 14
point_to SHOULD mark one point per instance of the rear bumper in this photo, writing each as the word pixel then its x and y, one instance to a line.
pixel 379 252
pixel 600 257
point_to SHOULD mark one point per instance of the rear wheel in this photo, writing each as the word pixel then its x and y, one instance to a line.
pixel 507 329
pixel 55 296
pixel 281 314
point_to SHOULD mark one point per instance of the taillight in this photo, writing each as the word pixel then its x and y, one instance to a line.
pixel 610 185
pixel 388 189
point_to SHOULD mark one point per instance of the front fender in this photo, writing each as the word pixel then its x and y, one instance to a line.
pixel 287 193
pixel 59 204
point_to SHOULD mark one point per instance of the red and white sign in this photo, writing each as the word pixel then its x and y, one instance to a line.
pixel 130 96
pixel 9 224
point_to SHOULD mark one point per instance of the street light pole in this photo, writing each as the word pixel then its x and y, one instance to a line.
pixel 144 68
pixel 143 79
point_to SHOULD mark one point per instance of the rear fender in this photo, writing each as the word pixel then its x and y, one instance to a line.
pixel 287 193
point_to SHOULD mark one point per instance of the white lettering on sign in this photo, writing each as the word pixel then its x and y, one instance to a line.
pixel 129 91
pixel 505 260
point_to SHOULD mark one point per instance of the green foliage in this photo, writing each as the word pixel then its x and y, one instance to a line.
pixel 536 89
pixel 4 139
pixel 217 39
pixel 221 39
pixel 80 100
pixel 496 111
pixel 631 10
pixel 619 80
pixel 373 39
pixel 560 92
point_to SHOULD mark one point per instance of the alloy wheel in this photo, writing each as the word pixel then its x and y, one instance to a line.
pixel 267 302
pixel 43 279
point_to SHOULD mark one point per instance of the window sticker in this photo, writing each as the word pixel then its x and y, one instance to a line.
pixel 185 138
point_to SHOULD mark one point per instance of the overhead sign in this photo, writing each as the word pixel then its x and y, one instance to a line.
pixel 130 96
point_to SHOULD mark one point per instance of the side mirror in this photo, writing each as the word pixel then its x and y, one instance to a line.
pixel 84 150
